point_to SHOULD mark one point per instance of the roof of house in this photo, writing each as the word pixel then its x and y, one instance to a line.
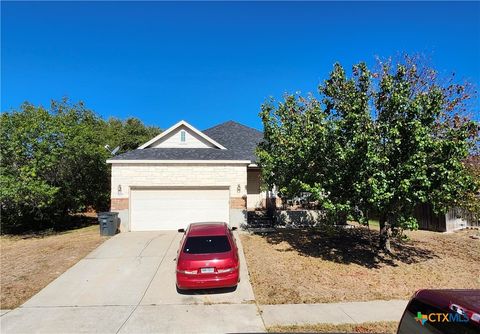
pixel 239 140
pixel 236 137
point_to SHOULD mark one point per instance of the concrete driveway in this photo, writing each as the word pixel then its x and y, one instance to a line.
pixel 127 285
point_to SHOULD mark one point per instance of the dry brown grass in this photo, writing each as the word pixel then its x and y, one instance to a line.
pixel 388 327
pixel 321 267
pixel 29 263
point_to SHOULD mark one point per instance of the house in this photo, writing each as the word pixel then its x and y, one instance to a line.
pixel 185 175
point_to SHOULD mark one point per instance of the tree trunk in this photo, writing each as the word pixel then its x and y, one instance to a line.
pixel 384 235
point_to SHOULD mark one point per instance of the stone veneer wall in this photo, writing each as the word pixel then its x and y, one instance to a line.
pixel 233 176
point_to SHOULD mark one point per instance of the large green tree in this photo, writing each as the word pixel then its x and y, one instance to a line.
pixel 376 142
pixel 326 149
pixel 424 143
pixel 53 163
pixel 127 134
pixel 470 201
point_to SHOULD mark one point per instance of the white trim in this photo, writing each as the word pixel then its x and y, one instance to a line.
pixel 172 128
pixel 205 162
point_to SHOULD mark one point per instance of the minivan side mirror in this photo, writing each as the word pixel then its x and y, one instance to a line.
pixel 181 230
pixel 234 228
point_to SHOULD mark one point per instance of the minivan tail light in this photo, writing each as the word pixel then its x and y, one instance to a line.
pixel 227 270
pixel 465 312
pixel 187 272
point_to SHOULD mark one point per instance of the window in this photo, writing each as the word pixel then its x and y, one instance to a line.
pixel 208 244
pixel 182 136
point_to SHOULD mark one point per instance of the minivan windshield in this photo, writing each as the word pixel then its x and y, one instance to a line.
pixel 207 244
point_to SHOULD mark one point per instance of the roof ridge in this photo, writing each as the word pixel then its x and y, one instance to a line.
pixel 232 122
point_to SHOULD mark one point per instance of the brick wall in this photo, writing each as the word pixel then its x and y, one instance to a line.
pixel 117 204
pixel 238 203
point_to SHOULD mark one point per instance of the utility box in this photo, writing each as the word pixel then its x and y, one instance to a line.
pixel 109 223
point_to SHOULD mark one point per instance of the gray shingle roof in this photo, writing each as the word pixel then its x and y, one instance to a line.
pixel 239 140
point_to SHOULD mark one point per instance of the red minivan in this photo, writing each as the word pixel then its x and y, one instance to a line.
pixel 207 257
pixel 442 312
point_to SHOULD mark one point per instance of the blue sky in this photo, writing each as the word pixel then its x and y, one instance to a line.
pixel 211 62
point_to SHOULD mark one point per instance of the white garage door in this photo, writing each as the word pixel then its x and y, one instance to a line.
pixel 171 209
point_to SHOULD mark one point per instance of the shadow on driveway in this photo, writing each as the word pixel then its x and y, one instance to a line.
pixel 207 291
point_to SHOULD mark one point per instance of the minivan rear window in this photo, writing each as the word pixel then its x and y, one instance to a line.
pixel 409 324
pixel 207 244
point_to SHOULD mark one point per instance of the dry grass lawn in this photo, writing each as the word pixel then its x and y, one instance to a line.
pixel 324 267
pixel 29 263
pixel 388 327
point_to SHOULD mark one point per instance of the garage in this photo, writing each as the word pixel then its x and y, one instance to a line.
pixel 174 208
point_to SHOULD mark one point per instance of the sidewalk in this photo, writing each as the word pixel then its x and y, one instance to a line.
pixel 335 313
pixel 160 317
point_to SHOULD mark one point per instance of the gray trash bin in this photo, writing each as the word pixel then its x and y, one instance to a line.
pixel 108 222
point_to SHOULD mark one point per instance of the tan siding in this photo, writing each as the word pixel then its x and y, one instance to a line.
pixel 192 140
pixel 255 197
